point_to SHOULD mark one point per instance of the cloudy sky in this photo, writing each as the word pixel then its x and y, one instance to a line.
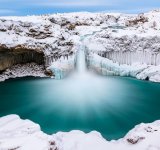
pixel 30 7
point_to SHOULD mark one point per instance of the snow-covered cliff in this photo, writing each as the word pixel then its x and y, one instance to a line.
pixel 49 40
pixel 18 134
pixel 130 47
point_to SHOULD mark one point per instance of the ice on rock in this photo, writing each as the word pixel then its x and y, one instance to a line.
pixel 139 64
pixel 62 67
pixel 152 73
pixel 138 70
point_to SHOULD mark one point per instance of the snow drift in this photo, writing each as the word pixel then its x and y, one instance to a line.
pixel 16 133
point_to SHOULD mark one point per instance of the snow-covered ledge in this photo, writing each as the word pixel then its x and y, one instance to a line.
pixel 18 134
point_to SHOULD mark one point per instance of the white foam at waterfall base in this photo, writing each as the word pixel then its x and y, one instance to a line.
pixel 79 85
pixel 81 82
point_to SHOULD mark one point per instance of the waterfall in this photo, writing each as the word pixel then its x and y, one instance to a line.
pixel 80 61
pixel 81 66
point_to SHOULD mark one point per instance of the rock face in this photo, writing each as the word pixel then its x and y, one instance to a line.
pixel 128 48
pixel 23 70
pixel 32 39
pixel 19 134
pixel 18 55
pixel 48 39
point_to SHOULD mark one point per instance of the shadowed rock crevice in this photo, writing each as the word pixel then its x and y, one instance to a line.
pixel 9 57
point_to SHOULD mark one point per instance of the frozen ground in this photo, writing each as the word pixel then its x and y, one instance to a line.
pixel 23 70
pixel 18 134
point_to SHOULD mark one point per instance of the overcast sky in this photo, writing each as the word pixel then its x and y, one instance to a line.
pixel 31 7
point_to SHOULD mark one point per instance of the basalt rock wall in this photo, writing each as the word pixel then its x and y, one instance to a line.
pixel 10 57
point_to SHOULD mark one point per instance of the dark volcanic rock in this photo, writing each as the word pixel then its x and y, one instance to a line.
pixel 10 57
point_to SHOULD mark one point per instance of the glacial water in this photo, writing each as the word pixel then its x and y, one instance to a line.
pixel 82 101
pixel 110 105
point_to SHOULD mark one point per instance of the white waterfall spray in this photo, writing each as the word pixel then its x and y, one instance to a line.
pixel 80 61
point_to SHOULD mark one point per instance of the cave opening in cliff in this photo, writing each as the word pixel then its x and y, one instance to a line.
pixel 9 58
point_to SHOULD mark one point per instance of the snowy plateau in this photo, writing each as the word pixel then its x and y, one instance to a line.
pixel 47 45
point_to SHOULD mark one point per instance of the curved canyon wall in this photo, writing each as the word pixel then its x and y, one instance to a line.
pixel 129 50
pixel 52 40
